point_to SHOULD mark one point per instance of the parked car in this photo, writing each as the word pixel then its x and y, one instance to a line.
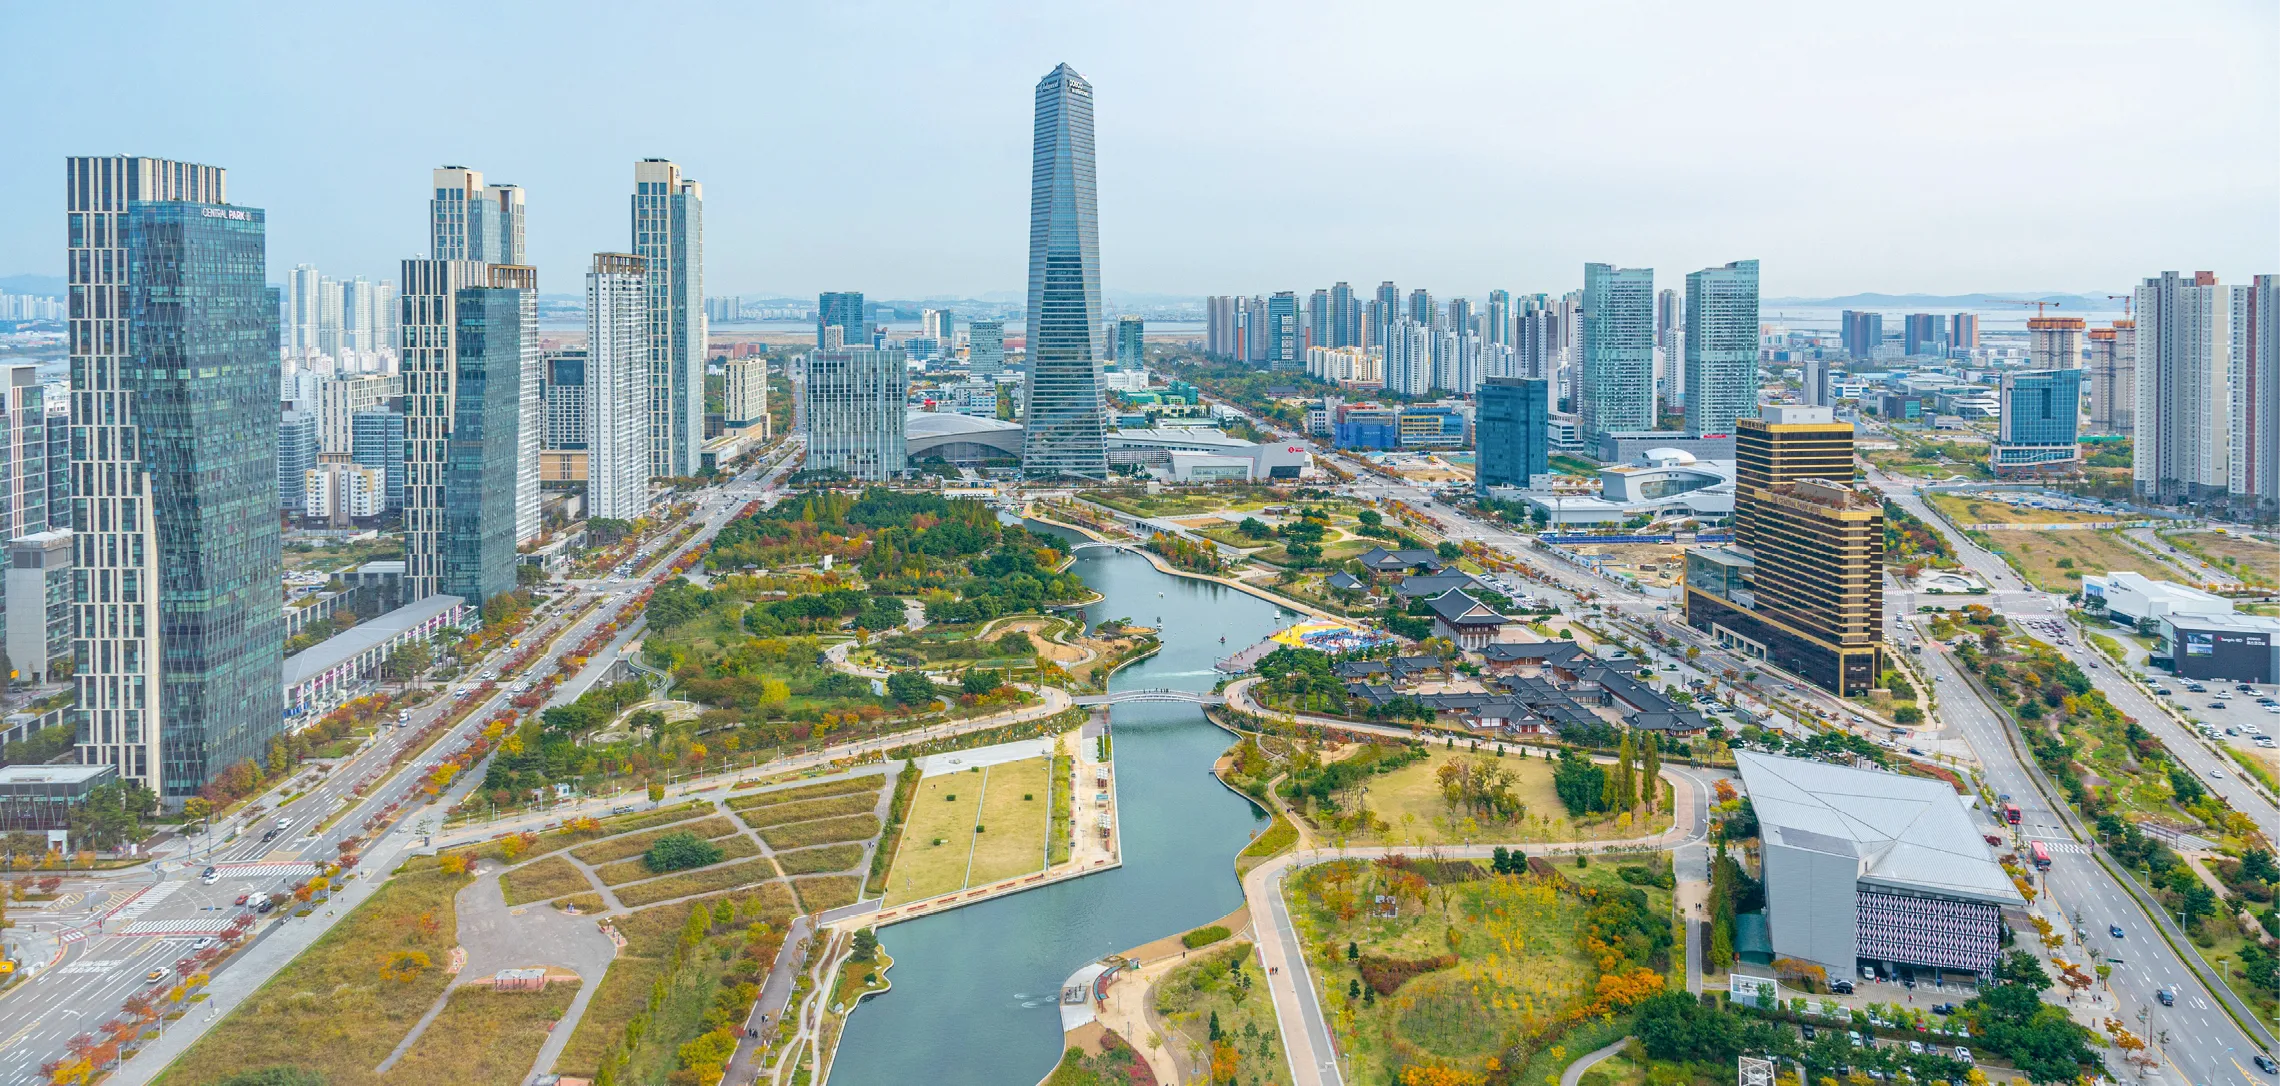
pixel 1964 1054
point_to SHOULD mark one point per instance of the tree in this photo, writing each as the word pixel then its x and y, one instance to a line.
pixel 680 851
pixel 1650 773
pixel 409 662
pixel 864 946
pixel 910 687
pixel 196 809
pixel 656 791
pixel 979 682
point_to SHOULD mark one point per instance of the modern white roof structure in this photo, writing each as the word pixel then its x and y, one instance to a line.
pixel 2135 596
pixel 1910 834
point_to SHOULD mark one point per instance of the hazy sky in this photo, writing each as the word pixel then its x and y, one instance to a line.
pixel 884 147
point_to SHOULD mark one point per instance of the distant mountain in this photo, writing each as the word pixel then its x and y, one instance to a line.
pixel 50 286
pixel 1948 301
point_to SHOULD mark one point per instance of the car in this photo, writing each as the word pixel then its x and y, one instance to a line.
pixel 241 898
pixel 2216 774
pixel 155 975
pixel 2264 1063
pixel 2216 705
pixel 2266 742
pixel 1853 1035
pixel 207 873
pixel 2232 731
pixel 1915 1048
pixel 1841 986
pixel 2167 997
pixel 1809 1034
pixel 1963 1054
pixel 1943 1009
pixel 268 837
pixel 202 943
pixel 2114 930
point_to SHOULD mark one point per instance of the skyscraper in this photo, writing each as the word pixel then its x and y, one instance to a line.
pixel 1923 335
pixel 1862 333
pixel 2054 343
pixel 842 309
pixel 1421 308
pixel 436 528
pixel 1321 322
pixel 985 347
pixel 617 395
pixel 1345 317
pixel 1499 327
pixel 852 405
pixel 1388 301
pixel 2184 394
pixel 1283 333
pixel 1536 343
pixel 1065 428
pixel 296 454
pixel 1721 334
pixel 24 464
pixel 668 234
pixel 494 329
pixel 1131 342
pixel 1963 332
pixel 469 220
pixel 179 631
pixel 1219 322
pixel 2113 377
pixel 2256 316
pixel 1512 432
pixel 2041 411
pixel 377 441
pixel 1618 379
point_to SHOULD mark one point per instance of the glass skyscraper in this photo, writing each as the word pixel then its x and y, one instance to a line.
pixel 1618 377
pixel 478 553
pixel 1065 428
pixel 668 234
pixel 377 441
pixel 179 628
pixel 1513 432
pixel 852 406
pixel 843 309
pixel 1721 334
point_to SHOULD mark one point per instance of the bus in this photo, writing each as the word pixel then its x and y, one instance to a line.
pixel 2041 855
pixel 2011 813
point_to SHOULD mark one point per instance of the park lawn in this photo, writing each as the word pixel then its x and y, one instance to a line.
pixel 634 844
pixel 850 786
pixel 484 1036
pixel 585 903
pixel 651 935
pixel 1606 873
pixel 1409 800
pixel 1016 813
pixel 816 861
pixel 1963 510
pixel 938 841
pixel 633 869
pixel 823 831
pixel 539 880
pixel 2246 557
pixel 555 840
pixel 2036 555
pixel 778 814
pixel 820 892
pixel 328 1010
pixel 704 880
pixel 1224 982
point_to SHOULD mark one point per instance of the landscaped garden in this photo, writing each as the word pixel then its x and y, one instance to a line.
pixel 1221 1015
pixel 973 828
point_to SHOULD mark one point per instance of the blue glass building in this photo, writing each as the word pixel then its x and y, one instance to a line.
pixel 845 309
pixel 1512 432
pixel 202 368
pixel 1721 331
pixel 1618 387
pixel 478 545
pixel 376 440
pixel 1064 431
pixel 2040 425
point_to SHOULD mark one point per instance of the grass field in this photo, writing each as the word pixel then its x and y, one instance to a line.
pixel 821 832
pixel 483 1036
pixel 939 839
pixel 539 880
pixel 2038 556
pixel 1964 510
pixel 329 1010
pixel 827 789
pixel 702 881
pixel 634 844
pixel 554 840
pixel 1409 799
pixel 1016 808
pixel 820 892
pixel 816 861
pixel 625 990
pixel 778 814
pixel 2251 559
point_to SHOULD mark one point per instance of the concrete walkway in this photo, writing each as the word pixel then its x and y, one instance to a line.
pixel 1574 1072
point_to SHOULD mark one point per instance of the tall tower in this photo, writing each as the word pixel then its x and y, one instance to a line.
pixel 668 234
pixel 1721 333
pixel 179 632
pixel 2053 343
pixel 1065 430
pixel 1618 380
pixel 2184 394
pixel 469 220
pixel 2113 377
pixel 617 387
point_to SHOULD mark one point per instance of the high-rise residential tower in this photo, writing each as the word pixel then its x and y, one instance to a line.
pixel 985 347
pixel 852 407
pixel 1618 378
pixel 2113 377
pixel 1498 327
pixel 2184 394
pixel 442 525
pixel 1963 333
pixel 1388 301
pixel 24 467
pixel 1721 333
pixel 617 397
pixel 1345 317
pixel 2256 350
pixel 744 401
pixel 1862 333
pixel 668 234
pixel 2055 343
pixel 1065 428
pixel 469 220
pixel 178 631
pixel 1923 335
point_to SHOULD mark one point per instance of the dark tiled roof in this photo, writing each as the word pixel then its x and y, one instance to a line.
pixel 1346 581
pixel 1458 609
pixel 1357 669
pixel 1684 721
pixel 1549 652
pixel 1374 693
pixel 1381 560
pixel 1406 666
pixel 1434 584
pixel 1631 691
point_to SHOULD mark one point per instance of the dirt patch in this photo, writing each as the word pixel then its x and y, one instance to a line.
pixel 1051 651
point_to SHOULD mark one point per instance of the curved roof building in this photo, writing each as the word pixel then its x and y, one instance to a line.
pixel 961 440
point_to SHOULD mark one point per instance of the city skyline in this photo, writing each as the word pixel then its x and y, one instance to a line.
pixel 1550 188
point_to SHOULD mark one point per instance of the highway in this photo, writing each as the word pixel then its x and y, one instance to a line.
pixel 98 949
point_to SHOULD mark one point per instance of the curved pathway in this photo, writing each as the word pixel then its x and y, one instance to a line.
pixel 1574 1072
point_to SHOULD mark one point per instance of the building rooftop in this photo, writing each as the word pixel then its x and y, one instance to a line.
pixel 2225 623
pixel 944 423
pixel 1906 833
pixel 332 651
pixel 58 774
pixel 2176 596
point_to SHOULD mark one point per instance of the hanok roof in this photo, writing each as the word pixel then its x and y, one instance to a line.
pixel 1433 584
pixel 1906 833
pixel 1358 669
pixel 1458 609
pixel 1682 722
pixel 1381 560
pixel 1547 652
pixel 1346 581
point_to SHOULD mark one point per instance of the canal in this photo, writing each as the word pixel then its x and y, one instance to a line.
pixel 974 992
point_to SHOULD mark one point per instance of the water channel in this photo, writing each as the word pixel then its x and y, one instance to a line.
pixel 974 989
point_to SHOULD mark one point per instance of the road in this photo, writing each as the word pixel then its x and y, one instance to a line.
pixel 108 941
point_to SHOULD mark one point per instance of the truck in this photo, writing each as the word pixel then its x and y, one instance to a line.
pixel 2011 813
pixel 258 902
pixel 2041 855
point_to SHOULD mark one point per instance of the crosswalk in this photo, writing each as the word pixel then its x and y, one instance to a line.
pixel 2056 845
pixel 148 899
pixel 185 926
pixel 264 868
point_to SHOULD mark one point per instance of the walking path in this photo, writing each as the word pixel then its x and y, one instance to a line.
pixel 1574 1072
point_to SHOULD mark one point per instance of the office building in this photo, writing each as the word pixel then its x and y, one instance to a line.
pixel 469 220
pixel 939 325
pixel 2054 342
pixel 1819 376
pixel 174 387
pixel 852 406
pixel 1802 584
pixel 2038 431
pixel 38 589
pixel 985 347
pixel 377 441
pixel 1721 335
pixel 494 327
pixel 1131 337
pixel 1618 374
pixel 1923 335
pixel 746 397
pixel 1866 865
pixel 1512 432
pixel 1284 350
pixel 444 530
pixel 617 369
pixel 2256 385
pixel 58 456
pixel 842 310
pixel 2113 377
pixel 296 454
pixel 1862 333
pixel 339 399
pixel 1064 430
pixel 1963 333
pixel 24 466
pixel 668 234
pixel 2184 388
pixel 566 404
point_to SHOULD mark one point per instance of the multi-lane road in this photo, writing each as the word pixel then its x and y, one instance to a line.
pixel 109 935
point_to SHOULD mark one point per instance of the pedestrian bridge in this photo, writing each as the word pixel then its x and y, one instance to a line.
pixel 1191 697
pixel 1101 543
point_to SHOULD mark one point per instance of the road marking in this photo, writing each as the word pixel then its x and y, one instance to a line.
pixel 79 967
pixel 144 901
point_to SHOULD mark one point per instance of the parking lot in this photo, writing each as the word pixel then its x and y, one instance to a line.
pixel 2238 714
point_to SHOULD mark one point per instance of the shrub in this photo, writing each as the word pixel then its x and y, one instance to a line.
pixel 680 851
pixel 1387 974
pixel 1204 936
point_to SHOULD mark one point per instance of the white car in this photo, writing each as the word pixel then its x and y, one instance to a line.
pixel 1964 1054
pixel 2216 774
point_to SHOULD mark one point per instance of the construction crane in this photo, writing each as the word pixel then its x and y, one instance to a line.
pixel 2039 306
pixel 2127 301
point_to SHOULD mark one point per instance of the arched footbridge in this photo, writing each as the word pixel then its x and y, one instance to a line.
pixel 1120 697
pixel 1102 544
